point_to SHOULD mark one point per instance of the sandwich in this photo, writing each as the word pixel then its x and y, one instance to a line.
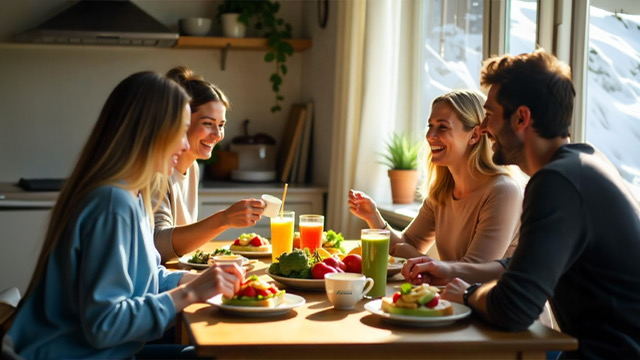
pixel 251 242
pixel 420 300
pixel 257 293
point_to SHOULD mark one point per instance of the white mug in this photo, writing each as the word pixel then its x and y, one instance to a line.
pixel 272 205
pixel 346 289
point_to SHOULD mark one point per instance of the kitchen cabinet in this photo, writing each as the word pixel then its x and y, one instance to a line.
pixel 302 200
pixel 23 233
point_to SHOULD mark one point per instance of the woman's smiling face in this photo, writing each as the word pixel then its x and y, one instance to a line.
pixel 447 137
pixel 207 129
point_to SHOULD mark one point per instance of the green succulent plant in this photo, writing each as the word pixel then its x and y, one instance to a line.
pixel 402 153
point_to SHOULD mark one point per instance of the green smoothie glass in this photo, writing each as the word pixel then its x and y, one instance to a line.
pixel 375 257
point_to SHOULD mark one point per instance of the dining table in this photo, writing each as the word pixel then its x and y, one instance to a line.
pixel 315 330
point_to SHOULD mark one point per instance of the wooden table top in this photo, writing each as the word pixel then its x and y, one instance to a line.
pixel 317 331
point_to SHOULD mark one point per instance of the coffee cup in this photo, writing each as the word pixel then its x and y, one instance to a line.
pixel 346 289
pixel 272 205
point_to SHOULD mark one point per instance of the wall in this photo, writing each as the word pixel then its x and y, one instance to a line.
pixel 50 95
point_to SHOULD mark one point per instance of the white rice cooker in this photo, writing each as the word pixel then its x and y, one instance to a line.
pixel 256 156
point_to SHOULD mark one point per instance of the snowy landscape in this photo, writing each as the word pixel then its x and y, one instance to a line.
pixel 613 80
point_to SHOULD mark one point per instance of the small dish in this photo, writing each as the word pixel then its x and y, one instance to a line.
pixel 195 26
pixel 184 260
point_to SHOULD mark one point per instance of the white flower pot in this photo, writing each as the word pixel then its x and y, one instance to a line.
pixel 231 27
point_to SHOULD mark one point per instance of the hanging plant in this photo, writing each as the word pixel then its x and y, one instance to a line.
pixel 274 28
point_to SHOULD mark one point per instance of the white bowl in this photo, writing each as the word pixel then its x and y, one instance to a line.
pixel 195 26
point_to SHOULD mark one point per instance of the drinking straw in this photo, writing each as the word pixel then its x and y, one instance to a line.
pixel 284 195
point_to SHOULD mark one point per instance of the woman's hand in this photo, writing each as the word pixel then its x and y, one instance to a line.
pixel 244 213
pixel 404 250
pixel 362 206
pixel 427 270
pixel 225 279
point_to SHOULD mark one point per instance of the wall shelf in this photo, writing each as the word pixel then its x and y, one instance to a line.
pixel 226 43
pixel 236 43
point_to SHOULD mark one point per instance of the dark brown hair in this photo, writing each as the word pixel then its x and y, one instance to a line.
pixel 537 80
pixel 201 91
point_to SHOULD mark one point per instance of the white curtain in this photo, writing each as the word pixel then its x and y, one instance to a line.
pixel 377 48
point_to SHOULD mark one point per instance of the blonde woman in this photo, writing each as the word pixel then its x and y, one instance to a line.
pixel 472 209
pixel 99 289
pixel 177 229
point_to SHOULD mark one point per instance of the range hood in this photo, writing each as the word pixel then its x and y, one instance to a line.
pixel 101 22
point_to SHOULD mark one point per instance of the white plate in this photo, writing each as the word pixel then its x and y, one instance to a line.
pixel 290 301
pixel 250 254
pixel 459 312
pixel 395 267
pixel 184 260
pixel 305 284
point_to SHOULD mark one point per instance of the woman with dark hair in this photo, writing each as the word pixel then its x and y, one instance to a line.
pixel 99 289
pixel 177 229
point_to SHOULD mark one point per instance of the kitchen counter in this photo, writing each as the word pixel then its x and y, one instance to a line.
pixel 12 196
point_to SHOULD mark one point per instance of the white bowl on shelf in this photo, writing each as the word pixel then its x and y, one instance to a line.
pixel 195 26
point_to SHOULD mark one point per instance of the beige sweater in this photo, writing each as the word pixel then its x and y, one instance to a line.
pixel 479 228
pixel 178 207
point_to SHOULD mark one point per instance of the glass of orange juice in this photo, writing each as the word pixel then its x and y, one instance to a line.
pixel 282 233
pixel 311 227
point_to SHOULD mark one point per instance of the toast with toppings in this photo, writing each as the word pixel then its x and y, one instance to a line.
pixel 251 242
pixel 421 300
pixel 256 292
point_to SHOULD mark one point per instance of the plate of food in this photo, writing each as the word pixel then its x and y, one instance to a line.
pixel 417 306
pixel 395 265
pixel 257 297
pixel 303 284
pixel 200 259
pixel 251 245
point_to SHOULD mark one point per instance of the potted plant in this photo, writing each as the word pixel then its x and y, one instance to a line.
pixel 402 159
pixel 264 15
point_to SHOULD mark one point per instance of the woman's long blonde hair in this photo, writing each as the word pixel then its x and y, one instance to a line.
pixel 467 105
pixel 141 118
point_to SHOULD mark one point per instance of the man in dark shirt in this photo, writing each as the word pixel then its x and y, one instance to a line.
pixel 580 234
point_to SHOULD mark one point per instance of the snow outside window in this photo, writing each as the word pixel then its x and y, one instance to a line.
pixel 613 90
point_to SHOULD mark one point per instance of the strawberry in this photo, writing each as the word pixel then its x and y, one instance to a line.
pixel 249 292
pixel 264 293
pixel 237 242
pixel 256 241
pixel 434 302
pixel 273 290
pixel 396 296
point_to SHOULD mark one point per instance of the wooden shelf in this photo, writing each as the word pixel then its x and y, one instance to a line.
pixel 235 43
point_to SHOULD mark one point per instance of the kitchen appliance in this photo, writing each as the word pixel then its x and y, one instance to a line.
pixel 101 22
pixel 256 156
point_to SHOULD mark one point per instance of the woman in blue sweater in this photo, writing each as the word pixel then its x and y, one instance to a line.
pixel 99 289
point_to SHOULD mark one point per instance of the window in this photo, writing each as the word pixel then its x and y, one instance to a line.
pixel 452 54
pixel 453 40
pixel 613 87
pixel 521 32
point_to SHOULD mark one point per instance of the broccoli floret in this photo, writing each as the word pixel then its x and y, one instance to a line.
pixel 274 268
pixel 297 260
pixel 306 273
